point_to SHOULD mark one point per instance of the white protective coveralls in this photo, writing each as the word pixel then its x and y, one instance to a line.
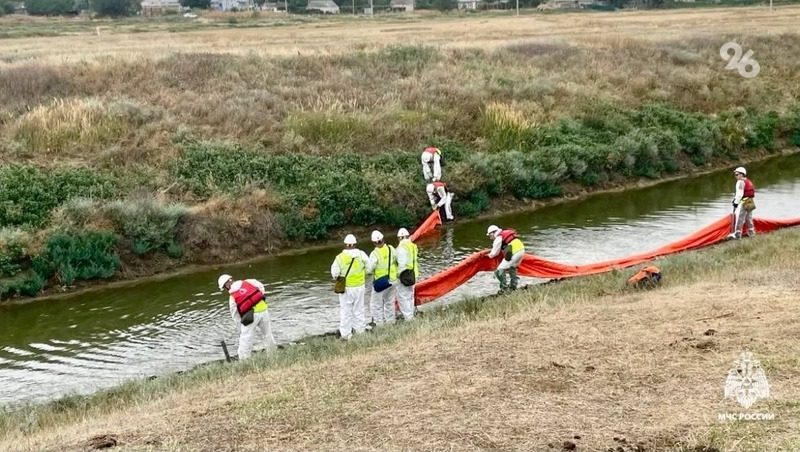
pixel 406 258
pixel 506 265
pixel 431 165
pixel 351 302
pixel 260 330
pixel 439 196
pixel 381 304
pixel 741 217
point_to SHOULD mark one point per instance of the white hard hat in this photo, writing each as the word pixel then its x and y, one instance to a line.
pixel 429 188
pixel 377 236
pixel 492 229
pixel 222 280
pixel 350 239
pixel 741 170
pixel 403 232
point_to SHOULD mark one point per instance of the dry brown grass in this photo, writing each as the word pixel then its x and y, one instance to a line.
pixel 487 31
pixel 636 371
pixel 249 85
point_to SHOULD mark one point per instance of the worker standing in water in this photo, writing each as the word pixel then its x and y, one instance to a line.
pixel 743 205
pixel 506 240
pixel 432 164
pixel 440 198
pixel 349 269
pixel 408 265
pixel 383 266
pixel 248 308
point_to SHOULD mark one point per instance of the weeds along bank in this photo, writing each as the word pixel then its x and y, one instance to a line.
pixel 126 167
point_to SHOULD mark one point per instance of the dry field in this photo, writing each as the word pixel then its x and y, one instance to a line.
pixel 334 37
pixel 579 364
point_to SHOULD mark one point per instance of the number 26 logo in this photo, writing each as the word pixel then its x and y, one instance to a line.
pixel 745 65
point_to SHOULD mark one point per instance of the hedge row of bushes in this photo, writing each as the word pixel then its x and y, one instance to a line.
pixel 323 192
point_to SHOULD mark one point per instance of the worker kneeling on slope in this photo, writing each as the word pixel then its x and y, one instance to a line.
pixel 383 266
pixel 432 164
pixel 743 205
pixel 440 198
pixel 408 265
pixel 248 308
pixel 349 270
pixel 506 240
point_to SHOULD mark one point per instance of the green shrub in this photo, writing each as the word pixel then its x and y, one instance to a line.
pixel 472 204
pixel 114 8
pixel 14 252
pixel 765 127
pixel 695 132
pixel 732 132
pixel 28 284
pixel 146 223
pixel 49 7
pixel 78 255
pixel 28 194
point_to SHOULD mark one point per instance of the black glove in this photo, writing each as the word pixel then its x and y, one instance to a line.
pixel 733 203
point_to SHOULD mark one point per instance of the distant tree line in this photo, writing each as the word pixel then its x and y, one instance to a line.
pixel 204 4
pixel 109 8
pixel 6 7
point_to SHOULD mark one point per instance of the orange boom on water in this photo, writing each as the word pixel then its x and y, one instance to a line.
pixel 448 280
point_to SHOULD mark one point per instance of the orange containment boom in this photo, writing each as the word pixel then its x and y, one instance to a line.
pixel 427 226
pixel 445 281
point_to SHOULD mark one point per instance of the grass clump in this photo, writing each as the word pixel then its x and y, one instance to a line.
pixel 85 124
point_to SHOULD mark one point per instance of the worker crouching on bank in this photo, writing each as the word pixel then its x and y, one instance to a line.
pixel 506 240
pixel 249 310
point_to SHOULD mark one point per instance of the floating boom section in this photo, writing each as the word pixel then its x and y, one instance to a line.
pixel 448 280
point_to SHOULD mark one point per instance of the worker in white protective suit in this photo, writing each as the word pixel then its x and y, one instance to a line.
pixel 507 242
pixel 351 265
pixel 432 164
pixel 382 266
pixel 408 265
pixel 743 205
pixel 248 308
pixel 440 198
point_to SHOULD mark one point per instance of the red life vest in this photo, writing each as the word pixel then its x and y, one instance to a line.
pixel 246 297
pixel 432 150
pixel 441 184
pixel 508 235
pixel 749 189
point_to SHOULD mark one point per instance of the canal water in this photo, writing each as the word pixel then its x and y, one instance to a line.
pixel 96 340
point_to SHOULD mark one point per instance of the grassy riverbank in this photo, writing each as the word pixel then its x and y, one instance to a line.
pixel 583 361
pixel 133 159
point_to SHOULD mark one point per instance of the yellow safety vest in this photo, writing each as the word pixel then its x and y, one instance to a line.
pixel 412 250
pixel 358 275
pixel 383 267
pixel 516 246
